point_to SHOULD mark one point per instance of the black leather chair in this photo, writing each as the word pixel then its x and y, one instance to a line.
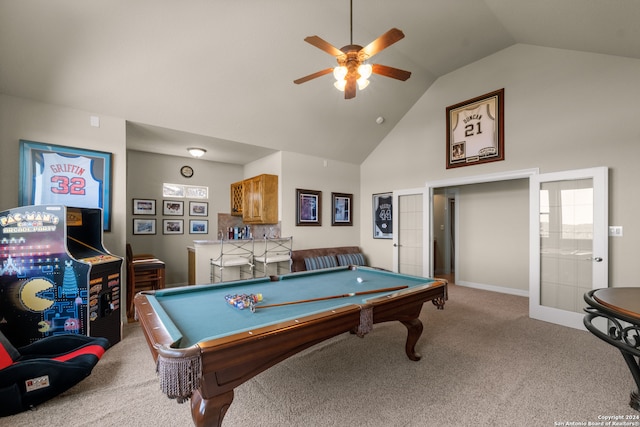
pixel 42 370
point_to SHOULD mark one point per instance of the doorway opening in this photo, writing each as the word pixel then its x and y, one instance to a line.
pixel 488 206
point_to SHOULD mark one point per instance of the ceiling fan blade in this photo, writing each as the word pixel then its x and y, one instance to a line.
pixel 324 45
pixel 394 73
pixel 382 42
pixel 313 76
pixel 350 89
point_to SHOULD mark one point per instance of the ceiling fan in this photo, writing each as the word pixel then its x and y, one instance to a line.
pixel 352 67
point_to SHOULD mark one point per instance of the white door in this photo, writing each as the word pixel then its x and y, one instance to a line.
pixel 569 243
pixel 410 254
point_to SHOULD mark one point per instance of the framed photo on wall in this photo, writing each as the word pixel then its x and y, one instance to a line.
pixel 172 226
pixel 475 130
pixel 308 207
pixel 144 226
pixel 173 207
pixel 144 207
pixel 198 208
pixel 198 226
pixel 382 216
pixel 341 209
pixel 54 174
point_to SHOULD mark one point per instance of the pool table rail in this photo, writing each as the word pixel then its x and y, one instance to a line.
pixel 237 357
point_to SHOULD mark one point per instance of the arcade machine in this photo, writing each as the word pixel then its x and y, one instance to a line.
pixel 55 275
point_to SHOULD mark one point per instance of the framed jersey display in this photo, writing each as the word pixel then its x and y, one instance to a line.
pixel 475 130
pixel 53 174
pixel 382 216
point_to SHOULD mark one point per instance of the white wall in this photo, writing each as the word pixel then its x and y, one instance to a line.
pixel 313 173
pixel 492 224
pixel 34 121
pixel 563 110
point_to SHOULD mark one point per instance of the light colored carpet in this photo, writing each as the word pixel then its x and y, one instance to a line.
pixel 485 363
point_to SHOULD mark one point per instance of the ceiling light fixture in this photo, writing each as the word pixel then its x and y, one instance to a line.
pixel 196 152
pixel 353 71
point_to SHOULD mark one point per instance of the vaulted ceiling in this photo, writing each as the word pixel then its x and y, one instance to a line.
pixel 219 73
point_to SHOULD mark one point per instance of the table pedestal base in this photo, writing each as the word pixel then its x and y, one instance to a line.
pixel 622 331
pixel 634 367
pixel 635 400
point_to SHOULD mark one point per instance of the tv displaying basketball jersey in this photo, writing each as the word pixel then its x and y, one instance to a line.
pixel 67 180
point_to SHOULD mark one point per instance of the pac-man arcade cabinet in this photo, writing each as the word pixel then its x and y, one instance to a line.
pixel 56 277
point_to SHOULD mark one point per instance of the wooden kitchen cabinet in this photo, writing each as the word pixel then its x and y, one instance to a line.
pixel 260 200
pixel 236 198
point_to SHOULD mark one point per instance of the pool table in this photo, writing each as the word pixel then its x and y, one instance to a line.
pixel 204 347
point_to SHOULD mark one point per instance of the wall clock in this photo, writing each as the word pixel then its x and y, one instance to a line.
pixel 186 171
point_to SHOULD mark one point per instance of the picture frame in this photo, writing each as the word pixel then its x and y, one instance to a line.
pixel 172 226
pixel 475 130
pixel 198 226
pixel 143 206
pixel 144 226
pixel 180 191
pixel 308 207
pixel 383 216
pixel 56 174
pixel 172 207
pixel 173 190
pixel 341 209
pixel 196 192
pixel 198 208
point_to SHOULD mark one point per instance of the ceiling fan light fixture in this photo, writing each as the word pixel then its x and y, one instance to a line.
pixel 340 85
pixel 365 71
pixel 196 152
pixel 362 83
pixel 340 72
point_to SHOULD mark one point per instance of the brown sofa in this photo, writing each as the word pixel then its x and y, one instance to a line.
pixel 298 257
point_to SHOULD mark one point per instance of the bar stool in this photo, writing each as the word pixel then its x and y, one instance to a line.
pixel 144 272
pixel 233 253
pixel 277 251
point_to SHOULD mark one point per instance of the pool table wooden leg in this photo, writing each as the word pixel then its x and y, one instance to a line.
pixel 414 330
pixel 210 412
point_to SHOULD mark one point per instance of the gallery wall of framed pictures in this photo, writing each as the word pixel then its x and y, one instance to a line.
pixel 175 216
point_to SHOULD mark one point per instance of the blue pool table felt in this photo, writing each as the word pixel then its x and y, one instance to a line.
pixel 198 313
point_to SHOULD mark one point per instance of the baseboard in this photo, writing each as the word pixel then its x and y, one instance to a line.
pixel 492 288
